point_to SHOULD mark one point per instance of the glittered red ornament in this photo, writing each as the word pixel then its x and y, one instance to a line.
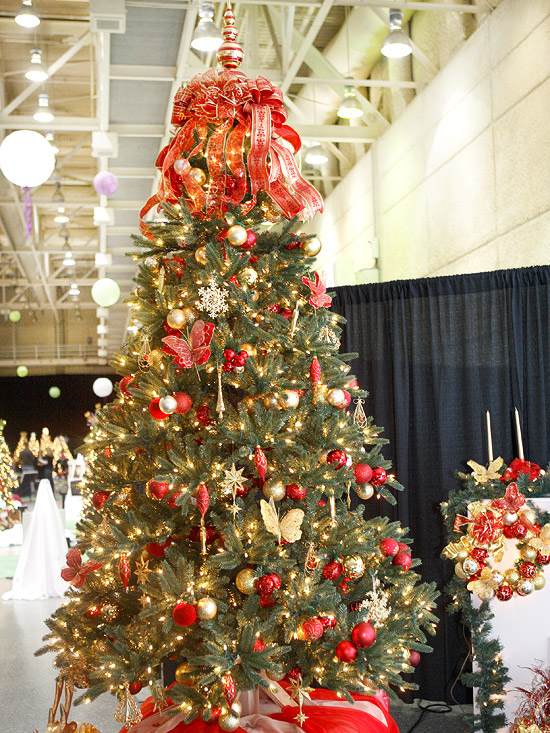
pixel 107 452
pixel 363 473
pixel 379 476
pixel 155 410
pixel 294 674
pixel 414 658
pixel 504 592
pixel 389 547
pixel 157 549
pixel 313 629
pixel 286 313
pixel 229 688
pixel 93 612
pixel 184 614
pixel 329 622
pixel 276 580
pixel 185 403
pixel 332 570
pixel 346 651
pixel 337 458
pixel 403 560
pixel 363 635
pixel 135 687
pixel 509 532
pixel 203 416
pixel 344 586
pixel 99 498
pixel 315 372
pixel 124 383
pixel 543 559
pixel 404 547
pixel 250 239
pixel 479 554
pixel 520 530
pixel 124 571
pixel 527 569
pixel 259 645
pixel 296 492
pixel 347 399
pixel 265 585
pixel 157 489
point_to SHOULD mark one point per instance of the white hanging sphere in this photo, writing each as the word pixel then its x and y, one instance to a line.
pixel 102 387
pixel 26 158
pixel 105 292
pixel 168 404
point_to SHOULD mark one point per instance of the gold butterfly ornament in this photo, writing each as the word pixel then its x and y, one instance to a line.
pixel 288 528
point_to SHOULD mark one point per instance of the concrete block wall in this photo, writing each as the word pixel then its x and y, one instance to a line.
pixel 461 181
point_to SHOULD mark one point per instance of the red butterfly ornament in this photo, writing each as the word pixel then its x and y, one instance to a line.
pixel 193 351
pixel 76 573
pixel 319 297
pixel 512 500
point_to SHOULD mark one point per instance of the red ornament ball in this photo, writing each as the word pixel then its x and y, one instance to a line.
pixel 93 612
pixel 276 580
pixel 184 614
pixel 107 452
pixel 185 403
pixel 520 530
pixel 294 674
pixel 389 547
pixel 155 410
pixel 259 645
pixel 265 585
pixel 337 458
pixel 125 383
pixel 203 416
pixel 250 239
pixel 296 492
pixel 479 554
pixel 157 489
pixel 363 635
pixel 135 687
pixel 509 532
pixel 346 651
pixel 99 498
pixel 403 560
pixel 347 399
pixel 379 476
pixel 156 549
pixel 363 473
pixel 267 601
pixel 404 547
pixel 504 592
pixel 313 629
pixel 543 559
pixel 332 570
pixel 527 569
pixel 414 658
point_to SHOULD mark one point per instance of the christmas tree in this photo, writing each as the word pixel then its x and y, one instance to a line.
pixel 46 442
pixel 8 477
pixel 34 444
pixel 21 445
pixel 219 532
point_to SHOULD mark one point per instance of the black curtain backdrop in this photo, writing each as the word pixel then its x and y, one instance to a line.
pixel 26 405
pixel 434 355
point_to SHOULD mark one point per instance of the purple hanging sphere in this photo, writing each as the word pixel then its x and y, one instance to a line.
pixel 105 183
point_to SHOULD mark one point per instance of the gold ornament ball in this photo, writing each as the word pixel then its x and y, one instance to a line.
pixel 288 399
pixel 110 611
pixel 364 491
pixel 539 581
pixel 189 315
pixel 207 608
pixel 245 581
pixel 176 318
pixel 459 572
pixel 510 518
pixel 182 670
pixel 486 593
pixel 250 349
pixel 354 567
pixel 270 401
pixel 198 175
pixel 470 566
pixel 525 587
pixel 312 246
pixel 274 489
pixel 248 276
pixel 498 577
pixel 229 722
pixel 236 235
pixel 200 255
pixel 528 553
pixel 512 576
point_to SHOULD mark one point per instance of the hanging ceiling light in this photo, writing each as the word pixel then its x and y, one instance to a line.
pixel 36 71
pixel 397 44
pixel 43 112
pixel 207 36
pixel 74 291
pixel 316 155
pixel 26 17
pixel 61 217
pixel 68 259
pixel 350 107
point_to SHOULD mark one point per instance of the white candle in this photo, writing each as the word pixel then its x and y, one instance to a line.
pixel 489 436
pixel 518 435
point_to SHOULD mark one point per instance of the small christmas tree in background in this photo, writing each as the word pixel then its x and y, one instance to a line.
pixel 46 442
pixel 8 477
pixel 21 445
pixel 34 444
pixel 218 530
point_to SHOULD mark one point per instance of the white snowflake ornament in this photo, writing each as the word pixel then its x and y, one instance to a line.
pixel 213 299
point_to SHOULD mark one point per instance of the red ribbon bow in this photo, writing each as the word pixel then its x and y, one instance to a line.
pixel 238 106
pixel 485 526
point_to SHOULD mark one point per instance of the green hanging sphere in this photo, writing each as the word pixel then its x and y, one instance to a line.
pixel 22 371
pixel 15 316
pixel 54 392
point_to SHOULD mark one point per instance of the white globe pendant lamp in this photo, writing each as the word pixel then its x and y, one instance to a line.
pixel 26 158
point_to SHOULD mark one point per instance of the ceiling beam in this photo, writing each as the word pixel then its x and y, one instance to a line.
pixel 52 69
pixel 398 4
pixel 59 124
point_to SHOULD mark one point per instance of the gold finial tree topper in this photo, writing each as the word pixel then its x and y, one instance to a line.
pixel 230 53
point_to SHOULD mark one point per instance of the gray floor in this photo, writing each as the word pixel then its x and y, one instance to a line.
pixel 27 682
